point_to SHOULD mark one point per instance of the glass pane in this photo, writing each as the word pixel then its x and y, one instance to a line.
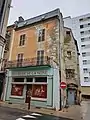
pixel 39 91
pixel 18 79
pixel 17 90
pixel 29 79
pixel 41 79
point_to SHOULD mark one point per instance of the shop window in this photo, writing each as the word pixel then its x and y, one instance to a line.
pixel 41 79
pixel 39 91
pixel 18 79
pixel 29 79
pixel 17 90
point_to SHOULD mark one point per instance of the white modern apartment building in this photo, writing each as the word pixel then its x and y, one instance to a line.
pixel 81 29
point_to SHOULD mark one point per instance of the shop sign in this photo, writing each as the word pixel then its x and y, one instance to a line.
pixel 29 73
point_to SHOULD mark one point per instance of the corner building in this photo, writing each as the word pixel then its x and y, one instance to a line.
pixel 35 61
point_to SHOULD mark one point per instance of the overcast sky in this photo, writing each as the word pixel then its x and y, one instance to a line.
pixel 31 8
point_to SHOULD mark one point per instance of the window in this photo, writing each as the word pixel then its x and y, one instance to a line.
pixel 85 79
pixel 19 60
pixel 81 26
pixel 85 70
pixel 81 19
pixel 83 46
pixel 82 32
pixel 89 31
pixel 29 79
pixel 70 73
pixel 82 39
pixel 17 90
pixel 18 79
pixel 22 40
pixel 84 54
pixel 41 36
pixel 88 17
pixel 40 57
pixel 85 39
pixel 39 90
pixel 84 62
pixel 68 33
pixel 41 79
pixel 69 54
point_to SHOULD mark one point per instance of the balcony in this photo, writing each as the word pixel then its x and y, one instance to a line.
pixel 29 62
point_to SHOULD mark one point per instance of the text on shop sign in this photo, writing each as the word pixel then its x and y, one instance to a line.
pixel 28 73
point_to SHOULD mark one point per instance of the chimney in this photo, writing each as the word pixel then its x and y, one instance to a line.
pixel 20 19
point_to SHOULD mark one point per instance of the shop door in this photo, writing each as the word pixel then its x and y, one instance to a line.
pixel 28 87
pixel 71 97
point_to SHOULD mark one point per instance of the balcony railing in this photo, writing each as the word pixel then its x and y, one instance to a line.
pixel 29 62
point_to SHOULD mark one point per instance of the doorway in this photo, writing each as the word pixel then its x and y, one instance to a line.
pixel 71 97
pixel 28 87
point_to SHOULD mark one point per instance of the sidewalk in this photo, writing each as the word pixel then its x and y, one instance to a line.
pixel 74 112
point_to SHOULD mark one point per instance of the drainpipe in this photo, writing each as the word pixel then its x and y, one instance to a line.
pixel 60 62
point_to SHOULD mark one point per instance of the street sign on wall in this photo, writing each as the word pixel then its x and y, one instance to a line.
pixel 63 85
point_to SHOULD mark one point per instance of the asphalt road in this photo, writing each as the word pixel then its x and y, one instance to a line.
pixel 15 114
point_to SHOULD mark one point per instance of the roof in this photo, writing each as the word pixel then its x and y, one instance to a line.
pixel 39 18
pixel 10 26
pixel 67 17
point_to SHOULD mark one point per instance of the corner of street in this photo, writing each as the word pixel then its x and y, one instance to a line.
pixel 74 112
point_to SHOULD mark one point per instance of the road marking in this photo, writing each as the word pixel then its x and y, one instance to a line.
pixel 20 119
pixel 28 116
pixel 36 114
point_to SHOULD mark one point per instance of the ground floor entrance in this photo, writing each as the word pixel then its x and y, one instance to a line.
pixel 42 81
pixel 71 97
pixel 72 94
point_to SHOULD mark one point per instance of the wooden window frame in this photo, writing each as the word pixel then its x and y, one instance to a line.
pixel 41 36
pixel 22 39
